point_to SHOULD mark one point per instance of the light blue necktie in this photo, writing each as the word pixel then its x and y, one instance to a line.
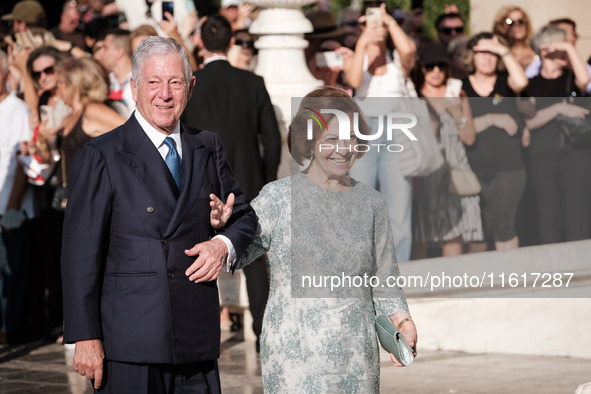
pixel 173 161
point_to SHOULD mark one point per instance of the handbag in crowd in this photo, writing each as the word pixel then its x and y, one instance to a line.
pixel 61 194
pixel 577 131
pixel 464 183
pixel 393 341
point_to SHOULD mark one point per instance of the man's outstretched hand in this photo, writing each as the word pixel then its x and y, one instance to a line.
pixel 220 212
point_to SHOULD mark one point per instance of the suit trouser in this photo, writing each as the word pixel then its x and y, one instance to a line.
pixel 128 378
pixel 14 283
pixel 257 287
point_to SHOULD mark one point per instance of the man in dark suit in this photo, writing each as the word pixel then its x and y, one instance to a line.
pixel 139 262
pixel 235 104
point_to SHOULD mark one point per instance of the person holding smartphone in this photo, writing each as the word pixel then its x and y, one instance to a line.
pixel 379 67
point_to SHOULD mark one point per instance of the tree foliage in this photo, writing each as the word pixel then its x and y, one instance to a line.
pixel 431 9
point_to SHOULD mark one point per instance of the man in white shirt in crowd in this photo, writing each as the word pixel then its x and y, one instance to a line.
pixel 16 208
pixel 115 56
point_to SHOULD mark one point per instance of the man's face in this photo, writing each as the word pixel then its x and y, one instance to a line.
pixel 98 51
pixel 70 20
pixel 19 26
pixel 449 29
pixel 109 53
pixel 162 92
pixel 571 34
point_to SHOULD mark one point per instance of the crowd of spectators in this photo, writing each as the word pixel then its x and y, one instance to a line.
pixel 65 83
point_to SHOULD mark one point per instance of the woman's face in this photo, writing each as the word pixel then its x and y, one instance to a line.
pixel 551 55
pixel 516 25
pixel 246 43
pixel 435 74
pixel 485 62
pixel 44 72
pixel 333 156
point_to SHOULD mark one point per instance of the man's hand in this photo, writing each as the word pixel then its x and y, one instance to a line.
pixel 211 257
pixel 220 212
pixel 88 360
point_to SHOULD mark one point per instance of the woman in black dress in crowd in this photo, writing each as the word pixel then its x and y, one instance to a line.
pixel 560 170
pixel 496 156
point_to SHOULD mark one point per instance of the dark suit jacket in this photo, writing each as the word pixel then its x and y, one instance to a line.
pixel 235 104
pixel 125 233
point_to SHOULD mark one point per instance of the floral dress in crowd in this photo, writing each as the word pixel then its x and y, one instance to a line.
pixel 438 215
pixel 318 340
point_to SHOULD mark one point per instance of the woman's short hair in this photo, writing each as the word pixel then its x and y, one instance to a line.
pixel 91 79
pixel 500 26
pixel 298 144
pixel 547 34
pixel 52 52
pixel 143 30
pixel 468 56
pixel 430 52
pixel 155 45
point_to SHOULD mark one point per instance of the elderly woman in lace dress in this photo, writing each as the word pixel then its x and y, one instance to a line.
pixel 330 248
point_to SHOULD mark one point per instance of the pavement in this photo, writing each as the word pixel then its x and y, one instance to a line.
pixel 44 367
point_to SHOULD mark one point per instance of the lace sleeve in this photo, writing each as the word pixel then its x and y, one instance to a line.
pixel 267 206
pixel 389 298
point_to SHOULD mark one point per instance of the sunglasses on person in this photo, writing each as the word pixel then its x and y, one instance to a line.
pixel 441 66
pixel 47 71
pixel 244 43
pixel 514 22
pixel 448 30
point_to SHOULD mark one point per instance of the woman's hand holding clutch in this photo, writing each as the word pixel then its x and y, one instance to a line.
pixel 407 327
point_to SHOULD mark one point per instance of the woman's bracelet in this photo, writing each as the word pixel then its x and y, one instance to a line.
pixel 463 122
pixel 506 52
pixel 403 321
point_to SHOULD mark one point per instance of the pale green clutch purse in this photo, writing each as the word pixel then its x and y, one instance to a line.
pixel 393 341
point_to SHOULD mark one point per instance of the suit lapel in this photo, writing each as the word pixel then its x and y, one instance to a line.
pixel 143 159
pixel 195 156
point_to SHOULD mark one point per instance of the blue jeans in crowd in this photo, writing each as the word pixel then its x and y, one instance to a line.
pixel 381 171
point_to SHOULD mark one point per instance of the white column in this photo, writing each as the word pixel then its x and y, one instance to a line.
pixel 281 62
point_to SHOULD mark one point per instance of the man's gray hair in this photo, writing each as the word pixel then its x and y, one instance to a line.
pixel 155 45
pixel 546 35
pixel 4 61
